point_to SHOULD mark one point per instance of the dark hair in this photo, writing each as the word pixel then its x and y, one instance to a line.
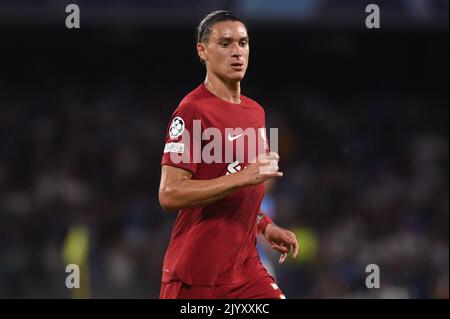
pixel 204 27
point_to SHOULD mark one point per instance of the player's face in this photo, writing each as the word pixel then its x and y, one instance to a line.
pixel 227 50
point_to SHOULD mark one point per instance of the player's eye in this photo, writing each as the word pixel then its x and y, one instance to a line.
pixel 225 44
pixel 243 43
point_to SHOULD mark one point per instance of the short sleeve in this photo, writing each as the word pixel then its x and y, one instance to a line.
pixel 182 146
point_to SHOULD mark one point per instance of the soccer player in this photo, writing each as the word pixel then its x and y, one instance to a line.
pixel 212 251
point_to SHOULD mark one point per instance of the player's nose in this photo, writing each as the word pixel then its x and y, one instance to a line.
pixel 236 50
pixel 236 56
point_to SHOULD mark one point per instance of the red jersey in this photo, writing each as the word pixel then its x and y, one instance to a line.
pixel 215 244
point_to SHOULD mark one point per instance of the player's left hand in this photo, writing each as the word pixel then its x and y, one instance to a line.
pixel 282 240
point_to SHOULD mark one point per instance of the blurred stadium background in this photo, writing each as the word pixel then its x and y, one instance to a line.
pixel 362 116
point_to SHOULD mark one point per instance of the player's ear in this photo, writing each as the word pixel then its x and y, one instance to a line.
pixel 201 51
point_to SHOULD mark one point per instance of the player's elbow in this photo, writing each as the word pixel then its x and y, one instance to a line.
pixel 167 199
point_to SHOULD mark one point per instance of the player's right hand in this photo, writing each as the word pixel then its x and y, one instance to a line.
pixel 265 167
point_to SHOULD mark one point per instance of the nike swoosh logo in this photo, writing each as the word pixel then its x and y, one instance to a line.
pixel 232 138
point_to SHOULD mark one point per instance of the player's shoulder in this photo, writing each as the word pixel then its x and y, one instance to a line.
pixel 192 101
pixel 253 103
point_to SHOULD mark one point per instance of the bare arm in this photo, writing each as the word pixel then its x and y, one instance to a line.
pixel 178 190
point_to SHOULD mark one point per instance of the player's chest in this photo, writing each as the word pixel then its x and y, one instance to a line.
pixel 225 119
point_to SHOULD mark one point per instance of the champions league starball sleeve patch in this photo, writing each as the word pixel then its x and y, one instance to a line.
pixel 176 127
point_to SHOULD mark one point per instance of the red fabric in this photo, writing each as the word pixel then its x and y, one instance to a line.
pixel 216 244
pixel 263 222
pixel 261 286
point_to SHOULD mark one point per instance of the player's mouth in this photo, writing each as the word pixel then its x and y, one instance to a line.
pixel 238 66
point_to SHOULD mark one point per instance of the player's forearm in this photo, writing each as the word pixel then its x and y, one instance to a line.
pixel 194 193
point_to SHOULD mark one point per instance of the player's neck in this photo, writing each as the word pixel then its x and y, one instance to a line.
pixel 230 92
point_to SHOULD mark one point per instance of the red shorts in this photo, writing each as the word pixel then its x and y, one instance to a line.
pixel 261 286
